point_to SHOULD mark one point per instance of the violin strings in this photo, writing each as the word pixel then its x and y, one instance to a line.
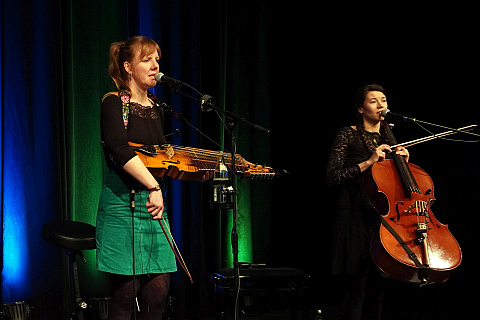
pixel 197 160
pixel 207 159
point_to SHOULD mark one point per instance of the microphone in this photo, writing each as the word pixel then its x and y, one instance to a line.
pixel 386 113
pixel 207 103
pixel 160 77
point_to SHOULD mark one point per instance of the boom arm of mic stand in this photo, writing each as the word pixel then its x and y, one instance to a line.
pixel 443 127
pixel 211 106
pixel 237 119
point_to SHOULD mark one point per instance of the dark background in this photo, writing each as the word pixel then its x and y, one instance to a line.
pixel 425 57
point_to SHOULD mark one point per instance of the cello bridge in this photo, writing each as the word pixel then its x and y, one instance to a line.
pixel 421 209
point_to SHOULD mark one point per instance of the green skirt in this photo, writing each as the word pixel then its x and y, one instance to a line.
pixel 118 241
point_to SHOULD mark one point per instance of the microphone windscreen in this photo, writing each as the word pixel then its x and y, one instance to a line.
pixel 158 77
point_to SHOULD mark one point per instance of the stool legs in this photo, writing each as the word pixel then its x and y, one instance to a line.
pixel 78 304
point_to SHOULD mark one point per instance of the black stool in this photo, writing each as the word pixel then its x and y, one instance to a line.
pixel 73 236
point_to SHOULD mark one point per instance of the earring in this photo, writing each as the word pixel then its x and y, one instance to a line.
pixel 130 75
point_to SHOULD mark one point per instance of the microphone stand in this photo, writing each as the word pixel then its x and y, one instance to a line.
pixel 232 124
pixel 207 104
pixel 419 122
pixel 444 127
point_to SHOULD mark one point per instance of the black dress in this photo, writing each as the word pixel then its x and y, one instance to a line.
pixel 354 214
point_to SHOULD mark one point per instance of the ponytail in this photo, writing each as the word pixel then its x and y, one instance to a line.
pixel 115 69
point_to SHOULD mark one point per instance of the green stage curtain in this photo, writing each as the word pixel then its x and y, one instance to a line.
pixel 53 76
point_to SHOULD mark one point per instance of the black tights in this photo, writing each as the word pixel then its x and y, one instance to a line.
pixel 152 297
pixel 364 296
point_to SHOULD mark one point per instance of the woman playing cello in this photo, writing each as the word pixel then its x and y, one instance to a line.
pixel 355 150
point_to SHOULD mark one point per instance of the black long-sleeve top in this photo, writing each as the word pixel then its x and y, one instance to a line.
pixel 347 152
pixel 354 216
pixel 145 126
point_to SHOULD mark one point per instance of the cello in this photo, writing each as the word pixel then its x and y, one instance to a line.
pixel 409 243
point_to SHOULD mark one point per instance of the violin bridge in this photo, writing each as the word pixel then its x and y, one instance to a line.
pixel 170 152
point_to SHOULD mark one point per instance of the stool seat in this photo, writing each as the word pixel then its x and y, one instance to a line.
pixel 73 235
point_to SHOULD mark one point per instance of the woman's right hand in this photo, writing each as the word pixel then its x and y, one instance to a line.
pixel 380 153
pixel 155 204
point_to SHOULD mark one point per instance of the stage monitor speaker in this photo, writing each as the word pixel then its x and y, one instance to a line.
pixel 262 289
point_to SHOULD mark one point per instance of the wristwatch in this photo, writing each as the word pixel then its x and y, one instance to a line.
pixel 156 188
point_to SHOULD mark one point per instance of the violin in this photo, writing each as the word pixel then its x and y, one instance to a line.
pixel 188 164
pixel 409 243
